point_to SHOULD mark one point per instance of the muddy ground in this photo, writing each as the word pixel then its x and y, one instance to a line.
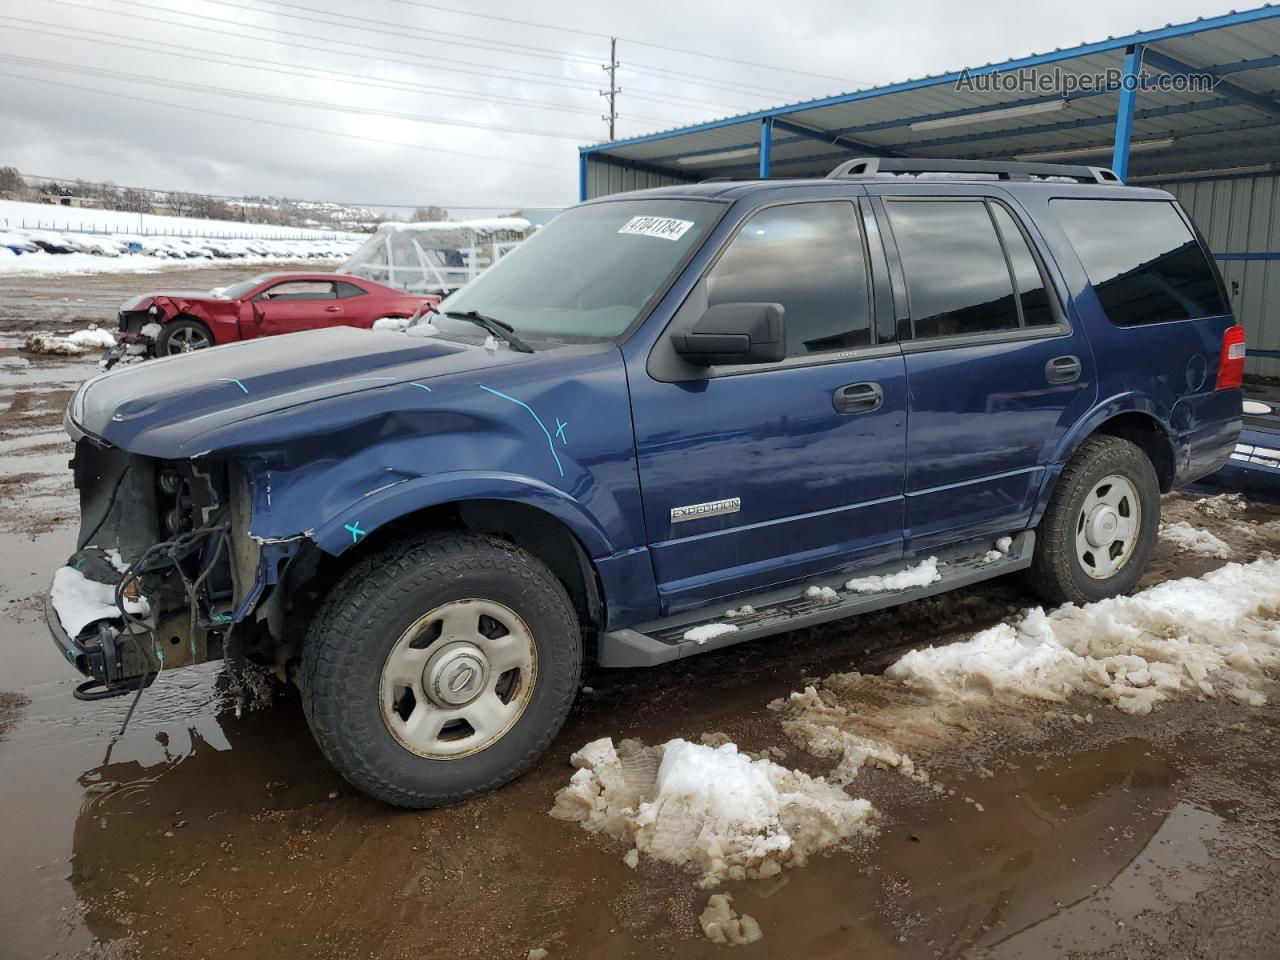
pixel 200 834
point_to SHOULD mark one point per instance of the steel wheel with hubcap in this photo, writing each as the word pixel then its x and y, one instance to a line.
pixel 458 679
pixel 1099 529
pixel 440 668
pixel 1108 526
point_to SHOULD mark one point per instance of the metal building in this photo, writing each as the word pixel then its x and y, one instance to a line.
pixel 1191 107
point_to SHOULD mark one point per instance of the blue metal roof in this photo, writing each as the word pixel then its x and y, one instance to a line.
pixel 1236 124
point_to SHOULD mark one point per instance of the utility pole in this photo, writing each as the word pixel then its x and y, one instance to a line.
pixel 613 91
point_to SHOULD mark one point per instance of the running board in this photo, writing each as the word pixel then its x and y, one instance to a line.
pixel 781 610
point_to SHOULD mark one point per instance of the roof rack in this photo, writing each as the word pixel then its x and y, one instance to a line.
pixel 1003 169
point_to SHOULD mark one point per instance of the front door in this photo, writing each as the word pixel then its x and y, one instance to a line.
pixel 755 476
pixel 996 373
pixel 294 305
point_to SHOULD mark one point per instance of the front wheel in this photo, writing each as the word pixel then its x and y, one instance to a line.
pixel 440 668
pixel 182 336
pixel 1100 527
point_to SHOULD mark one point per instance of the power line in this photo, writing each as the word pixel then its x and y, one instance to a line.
pixel 728 86
pixel 398 29
pixel 486 70
pixel 172 84
pixel 281 125
pixel 755 64
pixel 195 53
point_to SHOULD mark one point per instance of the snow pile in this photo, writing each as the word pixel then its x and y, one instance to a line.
pixel 71 345
pixel 709 631
pixel 822 594
pixel 79 601
pixel 745 610
pixel 1193 540
pixel 1199 637
pixel 710 809
pixel 1191 637
pixel 1222 507
pixel 827 729
pixel 921 575
pixel 721 923
pixel 397 324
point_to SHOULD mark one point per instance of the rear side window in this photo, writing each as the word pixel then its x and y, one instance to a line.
pixel 1032 294
pixel 809 258
pixel 957 279
pixel 348 290
pixel 1145 264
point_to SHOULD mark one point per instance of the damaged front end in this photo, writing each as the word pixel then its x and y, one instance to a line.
pixel 162 570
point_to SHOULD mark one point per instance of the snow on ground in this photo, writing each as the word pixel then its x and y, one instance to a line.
pixel 1194 540
pixel 1209 636
pixel 1190 637
pixel 709 808
pixel 72 345
pixel 49 264
pixel 722 924
pixel 921 575
pixel 1223 506
pixel 17 215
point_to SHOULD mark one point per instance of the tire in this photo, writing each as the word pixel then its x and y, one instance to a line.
pixel 183 336
pixel 405 636
pixel 1074 551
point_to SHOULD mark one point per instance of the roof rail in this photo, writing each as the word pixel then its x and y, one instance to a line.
pixel 1003 169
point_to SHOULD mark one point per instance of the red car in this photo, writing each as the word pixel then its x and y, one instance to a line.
pixel 262 306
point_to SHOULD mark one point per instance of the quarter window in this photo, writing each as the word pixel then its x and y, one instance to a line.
pixel 809 258
pixel 1145 264
pixel 957 278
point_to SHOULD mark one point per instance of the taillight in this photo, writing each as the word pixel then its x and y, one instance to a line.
pixel 1231 366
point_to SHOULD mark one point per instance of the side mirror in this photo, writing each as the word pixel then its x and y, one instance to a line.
pixel 734 333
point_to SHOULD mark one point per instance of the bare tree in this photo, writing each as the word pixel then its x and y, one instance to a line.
pixel 424 214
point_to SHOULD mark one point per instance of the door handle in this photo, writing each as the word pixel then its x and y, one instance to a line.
pixel 858 398
pixel 1062 370
pixel 332 309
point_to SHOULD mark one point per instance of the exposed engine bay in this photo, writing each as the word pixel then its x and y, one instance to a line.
pixel 161 536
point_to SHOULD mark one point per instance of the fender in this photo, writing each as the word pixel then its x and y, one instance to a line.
pixel 349 526
pixel 1111 407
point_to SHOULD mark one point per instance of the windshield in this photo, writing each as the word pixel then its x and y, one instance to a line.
pixel 238 290
pixel 589 272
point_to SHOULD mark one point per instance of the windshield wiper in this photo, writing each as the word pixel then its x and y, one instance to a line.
pixel 493 325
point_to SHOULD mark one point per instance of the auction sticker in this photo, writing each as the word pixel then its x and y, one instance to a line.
pixel 667 228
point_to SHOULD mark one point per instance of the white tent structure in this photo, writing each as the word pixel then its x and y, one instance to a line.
pixel 435 256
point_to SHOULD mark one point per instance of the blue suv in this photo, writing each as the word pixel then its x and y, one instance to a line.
pixel 670 421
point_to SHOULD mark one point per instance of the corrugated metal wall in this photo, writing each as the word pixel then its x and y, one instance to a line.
pixel 605 178
pixel 1242 215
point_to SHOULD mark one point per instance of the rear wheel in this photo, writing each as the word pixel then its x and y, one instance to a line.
pixel 1100 527
pixel 183 336
pixel 440 668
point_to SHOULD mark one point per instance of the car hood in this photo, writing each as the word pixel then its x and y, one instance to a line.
pixel 144 300
pixel 182 406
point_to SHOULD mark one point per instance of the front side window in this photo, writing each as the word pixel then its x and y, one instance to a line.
pixel 809 258
pixel 299 290
pixel 590 272
pixel 958 281
pixel 1144 263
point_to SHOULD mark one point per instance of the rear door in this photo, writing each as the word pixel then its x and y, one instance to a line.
pixel 996 372
pixel 294 305
pixel 759 475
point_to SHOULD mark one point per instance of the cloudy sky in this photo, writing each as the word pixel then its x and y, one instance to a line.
pixel 330 100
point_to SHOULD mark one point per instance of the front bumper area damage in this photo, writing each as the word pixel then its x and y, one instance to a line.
pixel 159 575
